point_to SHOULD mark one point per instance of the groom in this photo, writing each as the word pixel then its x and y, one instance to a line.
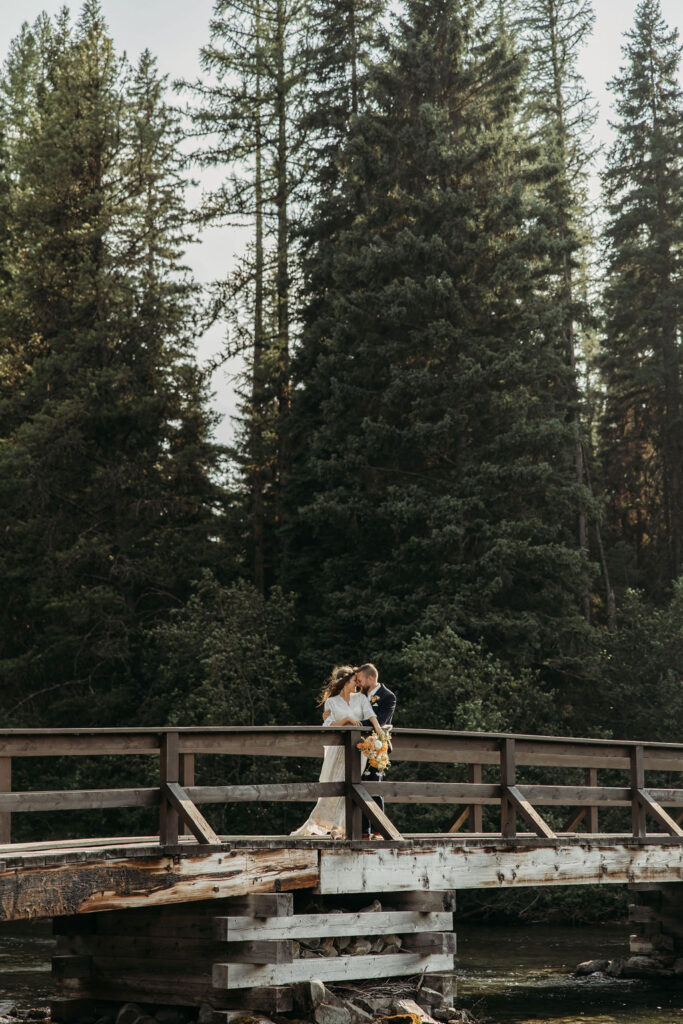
pixel 384 704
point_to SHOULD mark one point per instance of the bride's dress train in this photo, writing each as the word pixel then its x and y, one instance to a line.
pixel 328 817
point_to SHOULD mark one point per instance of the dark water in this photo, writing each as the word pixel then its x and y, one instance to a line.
pixel 507 975
pixel 25 952
pixel 523 976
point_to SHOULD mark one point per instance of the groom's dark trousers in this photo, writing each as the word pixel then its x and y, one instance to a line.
pixel 384 704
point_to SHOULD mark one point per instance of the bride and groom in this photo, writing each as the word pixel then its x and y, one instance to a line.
pixel 351 696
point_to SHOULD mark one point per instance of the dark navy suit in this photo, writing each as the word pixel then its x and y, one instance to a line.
pixel 384 705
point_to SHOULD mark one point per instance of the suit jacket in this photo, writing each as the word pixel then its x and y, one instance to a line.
pixel 384 703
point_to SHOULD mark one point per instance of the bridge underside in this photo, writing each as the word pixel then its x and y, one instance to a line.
pixel 48 880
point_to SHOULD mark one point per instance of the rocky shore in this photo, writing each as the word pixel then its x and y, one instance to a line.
pixel 652 966
pixel 404 1001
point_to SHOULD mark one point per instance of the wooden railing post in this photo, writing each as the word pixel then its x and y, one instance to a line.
pixel 592 811
pixel 186 779
pixel 5 787
pixel 475 822
pixel 352 774
pixel 637 782
pixel 508 814
pixel 169 771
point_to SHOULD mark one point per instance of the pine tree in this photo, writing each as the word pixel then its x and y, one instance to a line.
pixel 245 112
pixel 436 482
pixel 642 427
pixel 106 462
pixel 561 117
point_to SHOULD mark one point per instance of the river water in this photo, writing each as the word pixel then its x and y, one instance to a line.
pixel 506 975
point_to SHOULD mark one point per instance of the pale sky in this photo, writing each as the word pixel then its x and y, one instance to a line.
pixel 174 30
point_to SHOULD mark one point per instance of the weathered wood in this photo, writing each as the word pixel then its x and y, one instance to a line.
pixel 352 777
pixel 374 813
pixel 574 819
pixel 474 776
pixel 259 951
pixel 498 864
pixel 77 799
pixel 308 926
pixel 508 823
pixel 183 992
pixel 532 817
pixel 434 792
pixel 283 792
pixel 432 901
pixel 658 813
pixel 343 968
pixel 592 810
pixel 69 966
pixel 169 771
pixel 186 779
pixel 196 822
pixel 460 820
pixel 101 882
pixel 64 1011
pixel 638 783
pixel 434 942
pixel 5 787
pixel 270 904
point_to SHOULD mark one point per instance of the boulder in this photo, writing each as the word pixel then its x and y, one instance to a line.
pixel 7 1007
pixel 342 942
pixel 411 1007
pixel 400 1018
pixel 326 1013
pixel 361 947
pixel 170 1015
pixel 374 908
pixel 130 1012
pixel 591 967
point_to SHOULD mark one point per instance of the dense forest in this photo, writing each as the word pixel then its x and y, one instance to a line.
pixel 459 449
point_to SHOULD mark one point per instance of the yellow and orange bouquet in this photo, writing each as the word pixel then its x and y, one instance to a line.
pixel 376 749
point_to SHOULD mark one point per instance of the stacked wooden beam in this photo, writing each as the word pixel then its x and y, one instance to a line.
pixel 238 953
pixel 657 920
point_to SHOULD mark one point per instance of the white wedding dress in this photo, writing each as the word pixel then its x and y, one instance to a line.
pixel 328 817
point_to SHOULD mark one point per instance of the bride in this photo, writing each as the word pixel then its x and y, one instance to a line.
pixel 346 707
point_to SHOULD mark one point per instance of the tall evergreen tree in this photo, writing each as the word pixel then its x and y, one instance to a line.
pixel 642 427
pixel 244 111
pixel 561 116
pixel 106 462
pixel 435 484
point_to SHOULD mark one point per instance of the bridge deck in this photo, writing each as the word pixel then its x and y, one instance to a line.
pixel 79 876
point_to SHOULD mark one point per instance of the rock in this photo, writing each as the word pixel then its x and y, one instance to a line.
pixel 110 1020
pixel 308 954
pixel 377 946
pixel 645 967
pixel 342 942
pixel 130 1012
pixel 411 1007
pixel 361 947
pixel 374 908
pixel 393 940
pixel 434 998
pixel 326 1013
pixel 677 967
pixel 310 943
pixel 328 948
pixel 444 1013
pixel 205 1015
pixel 358 1015
pixel 296 949
pixel 7 1007
pixel 308 995
pixel 391 949
pixel 400 1018
pixel 591 967
pixel 615 968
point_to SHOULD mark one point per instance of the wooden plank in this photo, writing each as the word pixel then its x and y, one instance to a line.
pixel 103 882
pixel 574 820
pixel 638 783
pixel 70 966
pixel 592 811
pixel 474 777
pixel 498 864
pixel 5 787
pixel 270 904
pixel 343 968
pixel 430 942
pixel 460 820
pixel 186 779
pixel 196 822
pixel 352 776
pixel 309 926
pixel 532 817
pixel 374 813
pixel 434 792
pixel 77 799
pixel 565 796
pixel 169 771
pixel 285 792
pixel 183 992
pixel 508 822
pixel 259 951
pixel 658 813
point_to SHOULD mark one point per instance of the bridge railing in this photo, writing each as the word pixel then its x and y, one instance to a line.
pixel 178 797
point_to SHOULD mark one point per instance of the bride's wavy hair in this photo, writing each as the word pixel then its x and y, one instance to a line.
pixel 339 675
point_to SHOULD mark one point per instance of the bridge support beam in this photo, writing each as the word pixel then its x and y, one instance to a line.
pixel 656 917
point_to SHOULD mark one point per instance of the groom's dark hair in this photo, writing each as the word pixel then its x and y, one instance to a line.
pixel 368 669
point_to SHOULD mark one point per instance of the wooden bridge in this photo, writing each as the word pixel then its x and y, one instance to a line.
pixel 225 906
